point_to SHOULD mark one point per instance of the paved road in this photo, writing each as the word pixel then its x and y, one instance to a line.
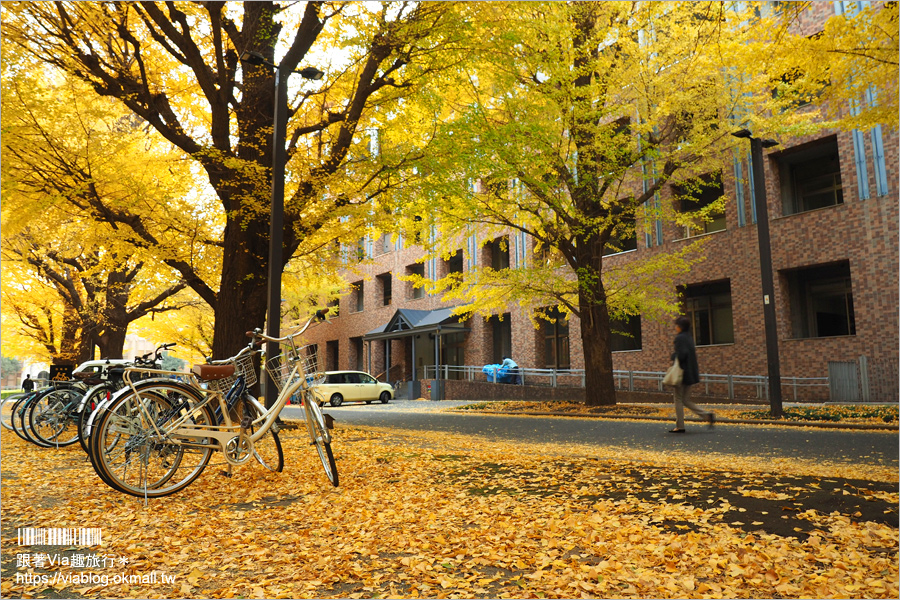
pixel 857 447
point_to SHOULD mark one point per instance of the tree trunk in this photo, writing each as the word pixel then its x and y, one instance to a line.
pixel 112 342
pixel 242 298
pixel 599 381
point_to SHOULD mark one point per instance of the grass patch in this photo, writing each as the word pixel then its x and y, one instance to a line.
pixel 475 406
pixel 837 413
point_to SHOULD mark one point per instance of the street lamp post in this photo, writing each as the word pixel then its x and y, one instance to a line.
pixel 276 219
pixel 765 267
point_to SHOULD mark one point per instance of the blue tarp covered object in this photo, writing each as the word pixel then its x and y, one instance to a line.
pixel 503 374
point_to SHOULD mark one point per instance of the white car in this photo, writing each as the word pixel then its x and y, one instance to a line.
pixel 352 386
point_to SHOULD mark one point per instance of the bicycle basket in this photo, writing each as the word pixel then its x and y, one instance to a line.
pixel 242 366
pixel 290 365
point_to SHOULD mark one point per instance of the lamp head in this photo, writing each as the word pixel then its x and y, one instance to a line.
pixel 254 58
pixel 768 143
pixel 311 73
pixel 742 133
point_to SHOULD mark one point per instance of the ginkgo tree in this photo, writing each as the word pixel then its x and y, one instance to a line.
pixel 72 283
pixel 69 296
pixel 183 69
pixel 576 119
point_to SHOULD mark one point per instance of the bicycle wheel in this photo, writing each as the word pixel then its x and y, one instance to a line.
pixel 19 410
pixel 6 411
pixel 267 449
pixel 135 445
pixel 20 420
pixel 93 418
pixel 92 399
pixel 321 438
pixel 52 417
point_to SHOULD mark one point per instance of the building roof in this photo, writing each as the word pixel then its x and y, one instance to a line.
pixel 407 322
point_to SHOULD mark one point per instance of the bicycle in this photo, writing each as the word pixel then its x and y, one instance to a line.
pixel 52 416
pixel 19 414
pixel 106 380
pixel 50 429
pixel 156 436
pixel 6 409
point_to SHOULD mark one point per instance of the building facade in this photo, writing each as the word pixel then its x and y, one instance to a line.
pixel 833 214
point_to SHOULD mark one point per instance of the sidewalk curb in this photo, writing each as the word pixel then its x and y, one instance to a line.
pixel 818 424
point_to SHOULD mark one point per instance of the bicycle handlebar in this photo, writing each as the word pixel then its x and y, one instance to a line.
pixel 145 359
pixel 258 336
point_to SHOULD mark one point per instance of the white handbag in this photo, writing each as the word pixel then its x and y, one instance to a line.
pixel 674 374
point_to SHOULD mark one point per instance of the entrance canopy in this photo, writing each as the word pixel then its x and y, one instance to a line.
pixel 407 322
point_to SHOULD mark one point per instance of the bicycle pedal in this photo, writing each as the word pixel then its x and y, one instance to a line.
pixel 225 473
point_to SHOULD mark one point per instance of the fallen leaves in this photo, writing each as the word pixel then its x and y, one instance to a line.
pixel 855 414
pixel 428 515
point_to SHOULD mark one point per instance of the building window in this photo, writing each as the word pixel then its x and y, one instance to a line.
pixel 625 334
pixel 454 264
pixel 384 244
pixel 697 195
pixel 359 295
pixel 624 236
pixel 501 337
pixel 334 308
pixel 361 249
pixel 416 292
pixel 499 253
pixel 708 306
pixel 822 301
pixel 556 339
pixel 810 178
pixel 385 281
pixel 356 353
pixel 312 354
pixel 331 355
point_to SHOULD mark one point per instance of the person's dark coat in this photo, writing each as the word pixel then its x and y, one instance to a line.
pixel 687 358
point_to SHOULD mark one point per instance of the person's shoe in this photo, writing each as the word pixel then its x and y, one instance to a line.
pixel 711 417
pixel 676 431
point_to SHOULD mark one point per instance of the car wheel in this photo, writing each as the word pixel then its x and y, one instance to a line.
pixel 336 400
pixel 385 396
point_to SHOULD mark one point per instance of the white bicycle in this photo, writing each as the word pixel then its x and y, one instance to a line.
pixel 156 436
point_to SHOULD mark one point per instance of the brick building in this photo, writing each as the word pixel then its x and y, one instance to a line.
pixel 833 209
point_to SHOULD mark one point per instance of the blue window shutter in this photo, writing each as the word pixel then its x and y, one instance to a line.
pixel 881 183
pixel 659 226
pixel 739 190
pixel 648 238
pixel 859 154
pixel 523 246
pixel 520 248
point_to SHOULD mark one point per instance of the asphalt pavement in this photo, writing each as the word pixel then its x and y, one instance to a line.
pixel 878 448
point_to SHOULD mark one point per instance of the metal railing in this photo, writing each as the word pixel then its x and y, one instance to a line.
pixel 719 385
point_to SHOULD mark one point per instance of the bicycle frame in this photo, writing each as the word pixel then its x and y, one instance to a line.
pixel 226 432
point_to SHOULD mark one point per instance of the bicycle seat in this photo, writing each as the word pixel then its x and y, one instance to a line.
pixel 89 377
pixel 213 372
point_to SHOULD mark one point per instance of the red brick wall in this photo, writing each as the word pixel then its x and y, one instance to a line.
pixel 863 232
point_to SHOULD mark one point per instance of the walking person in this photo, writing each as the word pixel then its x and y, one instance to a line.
pixel 686 353
pixel 28 384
